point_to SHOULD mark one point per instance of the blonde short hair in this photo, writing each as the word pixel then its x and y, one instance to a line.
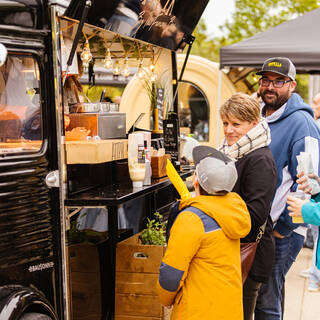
pixel 241 106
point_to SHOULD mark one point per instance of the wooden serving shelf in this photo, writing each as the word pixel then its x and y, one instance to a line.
pixel 85 152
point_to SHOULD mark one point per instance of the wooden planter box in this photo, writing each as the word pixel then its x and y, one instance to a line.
pixel 137 271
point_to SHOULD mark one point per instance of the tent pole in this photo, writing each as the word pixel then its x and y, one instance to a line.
pixel 218 108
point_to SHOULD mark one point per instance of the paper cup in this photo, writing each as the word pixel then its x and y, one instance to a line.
pixel 301 196
pixel 297 220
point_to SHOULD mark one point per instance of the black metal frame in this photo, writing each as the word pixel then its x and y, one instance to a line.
pixel 35 43
pixel 110 197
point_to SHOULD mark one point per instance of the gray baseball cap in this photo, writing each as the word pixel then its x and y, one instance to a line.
pixel 215 171
pixel 280 65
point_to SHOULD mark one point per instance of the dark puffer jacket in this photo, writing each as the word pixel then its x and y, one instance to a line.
pixel 256 184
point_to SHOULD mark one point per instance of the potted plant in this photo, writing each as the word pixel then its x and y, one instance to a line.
pixel 154 233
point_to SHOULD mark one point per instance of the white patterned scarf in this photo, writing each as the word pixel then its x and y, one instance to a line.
pixel 258 137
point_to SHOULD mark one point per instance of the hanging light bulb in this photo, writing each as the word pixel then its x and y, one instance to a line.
pixel 108 64
pixel 125 71
pixel 153 77
pixel 116 69
pixel 152 66
pixel 86 55
pixel 141 72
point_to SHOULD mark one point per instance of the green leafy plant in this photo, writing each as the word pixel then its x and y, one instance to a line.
pixel 164 82
pixel 75 235
pixel 154 233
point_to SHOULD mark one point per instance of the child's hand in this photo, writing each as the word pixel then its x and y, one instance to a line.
pixel 295 205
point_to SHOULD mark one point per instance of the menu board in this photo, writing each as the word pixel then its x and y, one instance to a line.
pixel 171 141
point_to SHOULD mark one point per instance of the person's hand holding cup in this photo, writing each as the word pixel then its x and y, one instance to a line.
pixel 295 202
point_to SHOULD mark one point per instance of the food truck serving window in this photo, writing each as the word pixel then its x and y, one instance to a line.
pixel 20 111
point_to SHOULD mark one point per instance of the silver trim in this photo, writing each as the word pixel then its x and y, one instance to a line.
pixel 56 57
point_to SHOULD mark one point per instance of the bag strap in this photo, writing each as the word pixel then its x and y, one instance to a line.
pixel 261 231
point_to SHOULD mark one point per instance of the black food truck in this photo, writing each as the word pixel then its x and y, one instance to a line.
pixel 63 144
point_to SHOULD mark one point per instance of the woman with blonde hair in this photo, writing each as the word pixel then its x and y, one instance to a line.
pixel 247 137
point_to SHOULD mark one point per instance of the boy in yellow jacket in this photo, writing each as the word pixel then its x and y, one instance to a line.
pixel 200 274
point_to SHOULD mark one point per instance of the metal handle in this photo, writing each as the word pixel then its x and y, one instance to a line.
pixel 52 179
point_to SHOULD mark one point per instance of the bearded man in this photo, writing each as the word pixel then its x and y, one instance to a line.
pixel 293 130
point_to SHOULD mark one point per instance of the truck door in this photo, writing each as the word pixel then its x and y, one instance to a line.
pixel 30 271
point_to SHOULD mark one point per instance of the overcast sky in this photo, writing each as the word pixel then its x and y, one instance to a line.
pixel 216 13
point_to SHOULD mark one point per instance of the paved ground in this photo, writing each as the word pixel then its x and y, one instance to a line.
pixel 299 303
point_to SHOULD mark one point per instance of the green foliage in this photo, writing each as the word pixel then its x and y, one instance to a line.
pixel 154 234
pixel 252 17
pixel 78 236
pixel 75 235
pixel 203 45
pixel 302 86
pixel 94 93
pixel 249 18
pixel 164 81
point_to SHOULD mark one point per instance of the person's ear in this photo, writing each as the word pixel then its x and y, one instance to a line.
pixel 195 181
pixel 293 85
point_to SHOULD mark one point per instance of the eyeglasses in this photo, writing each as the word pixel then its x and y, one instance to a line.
pixel 276 83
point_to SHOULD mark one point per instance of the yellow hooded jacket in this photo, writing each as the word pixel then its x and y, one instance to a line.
pixel 200 274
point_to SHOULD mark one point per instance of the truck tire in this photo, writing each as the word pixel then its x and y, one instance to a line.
pixel 34 316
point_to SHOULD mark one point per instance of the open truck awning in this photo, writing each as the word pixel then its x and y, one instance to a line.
pixel 168 24
pixel 297 39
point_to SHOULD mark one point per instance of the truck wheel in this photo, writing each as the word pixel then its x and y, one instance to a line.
pixel 34 316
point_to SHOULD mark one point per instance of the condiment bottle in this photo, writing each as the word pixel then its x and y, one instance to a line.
pixel 136 159
pixel 147 178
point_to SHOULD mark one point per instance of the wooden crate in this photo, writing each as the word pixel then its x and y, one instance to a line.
pixel 158 165
pixel 137 271
pixel 85 281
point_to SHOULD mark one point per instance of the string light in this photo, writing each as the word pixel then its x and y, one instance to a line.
pixel 86 55
pixel 152 66
pixel 116 69
pixel 108 64
pixel 141 72
pixel 153 77
pixel 125 71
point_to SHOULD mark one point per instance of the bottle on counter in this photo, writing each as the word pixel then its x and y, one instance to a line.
pixel 136 159
pixel 147 178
